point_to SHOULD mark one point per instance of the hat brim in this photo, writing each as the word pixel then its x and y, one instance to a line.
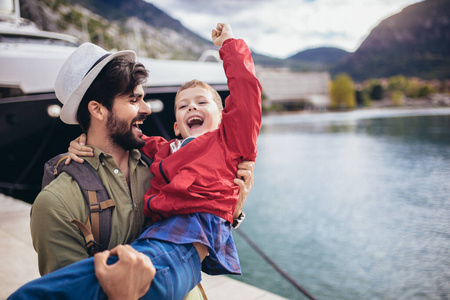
pixel 70 107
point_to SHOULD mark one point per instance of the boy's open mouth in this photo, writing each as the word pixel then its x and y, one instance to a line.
pixel 194 122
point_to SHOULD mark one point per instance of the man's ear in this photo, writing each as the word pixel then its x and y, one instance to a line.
pixel 176 129
pixel 97 110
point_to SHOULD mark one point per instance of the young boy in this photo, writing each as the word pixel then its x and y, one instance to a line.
pixel 193 196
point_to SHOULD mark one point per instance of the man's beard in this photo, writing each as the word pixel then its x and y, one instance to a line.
pixel 121 132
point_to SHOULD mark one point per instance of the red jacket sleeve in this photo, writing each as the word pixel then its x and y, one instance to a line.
pixel 152 145
pixel 241 117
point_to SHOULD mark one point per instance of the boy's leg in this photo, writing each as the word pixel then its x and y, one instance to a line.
pixel 178 268
pixel 76 281
pixel 177 272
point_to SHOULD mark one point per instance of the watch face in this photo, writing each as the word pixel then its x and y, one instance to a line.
pixel 238 221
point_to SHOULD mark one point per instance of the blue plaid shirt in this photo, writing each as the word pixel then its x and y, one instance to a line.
pixel 205 228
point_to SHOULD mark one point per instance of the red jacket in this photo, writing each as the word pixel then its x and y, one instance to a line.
pixel 199 176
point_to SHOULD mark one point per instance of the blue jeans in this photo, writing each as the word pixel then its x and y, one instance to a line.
pixel 177 272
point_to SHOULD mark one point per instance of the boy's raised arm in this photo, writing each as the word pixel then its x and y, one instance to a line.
pixel 241 116
pixel 221 34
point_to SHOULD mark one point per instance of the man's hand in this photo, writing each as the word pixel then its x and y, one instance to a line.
pixel 245 182
pixel 77 148
pixel 221 33
pixel 129 278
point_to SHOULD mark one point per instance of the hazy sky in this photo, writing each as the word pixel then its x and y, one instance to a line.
pixel 281 28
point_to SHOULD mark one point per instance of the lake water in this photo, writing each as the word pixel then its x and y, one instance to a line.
pixel 352 205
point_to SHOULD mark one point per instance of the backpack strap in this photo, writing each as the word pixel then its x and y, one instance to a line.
pixel 52 168
pixel 96 207
pixel 100 205
pixel 91 244
pixel 146 159
pixel 202 291
pixel 97 230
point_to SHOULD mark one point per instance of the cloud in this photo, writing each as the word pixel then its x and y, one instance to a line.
pixel 283 27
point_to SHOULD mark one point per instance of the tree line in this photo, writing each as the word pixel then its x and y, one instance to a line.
pixel 345 94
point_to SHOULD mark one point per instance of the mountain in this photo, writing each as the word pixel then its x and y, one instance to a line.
pixel 311 60
pixel 414 42
pixel 118 10
pixel 322 58
pixel 118 24
pixel 326 55
pixel 122 24
pixel 129 24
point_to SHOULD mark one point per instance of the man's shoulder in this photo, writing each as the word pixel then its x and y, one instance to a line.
pixel 60 200
pixel 62 182
pixel 62 189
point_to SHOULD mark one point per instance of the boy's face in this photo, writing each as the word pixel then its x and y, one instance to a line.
pixel 195 112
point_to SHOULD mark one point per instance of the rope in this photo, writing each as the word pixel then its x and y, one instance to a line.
pixel 274 265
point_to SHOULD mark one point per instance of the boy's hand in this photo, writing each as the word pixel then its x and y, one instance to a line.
pixel 245 182
pixel 77 148
pixel 221 33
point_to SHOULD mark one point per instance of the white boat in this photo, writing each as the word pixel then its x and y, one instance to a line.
pixel 30 129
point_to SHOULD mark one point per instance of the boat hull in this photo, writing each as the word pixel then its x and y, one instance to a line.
pixel 29 137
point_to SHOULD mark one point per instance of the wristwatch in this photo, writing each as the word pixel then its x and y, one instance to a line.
pixel 237 222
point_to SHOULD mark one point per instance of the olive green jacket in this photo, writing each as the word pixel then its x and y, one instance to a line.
pixel 57 241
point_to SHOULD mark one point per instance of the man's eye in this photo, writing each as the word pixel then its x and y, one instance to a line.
pixel 133 100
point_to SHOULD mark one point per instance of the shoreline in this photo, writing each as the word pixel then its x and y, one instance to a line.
pixel 360 113
pixel 435 101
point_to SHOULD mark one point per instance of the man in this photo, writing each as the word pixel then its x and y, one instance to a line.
pixel 103 93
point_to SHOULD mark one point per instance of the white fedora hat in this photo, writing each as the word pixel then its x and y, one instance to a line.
pixel 77 74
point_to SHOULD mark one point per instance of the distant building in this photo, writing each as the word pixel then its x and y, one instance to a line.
pixel 310 89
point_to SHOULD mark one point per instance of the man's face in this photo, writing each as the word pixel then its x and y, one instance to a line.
pixel 127 113
pixel 195 112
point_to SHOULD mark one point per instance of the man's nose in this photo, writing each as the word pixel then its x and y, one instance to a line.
pixel 145 108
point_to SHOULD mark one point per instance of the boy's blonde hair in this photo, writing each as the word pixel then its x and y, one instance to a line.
pixel 193 83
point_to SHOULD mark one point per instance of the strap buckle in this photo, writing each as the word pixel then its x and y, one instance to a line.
pixel 95 207
pixel 92 247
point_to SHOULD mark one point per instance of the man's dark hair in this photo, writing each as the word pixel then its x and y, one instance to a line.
pixel 119 77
